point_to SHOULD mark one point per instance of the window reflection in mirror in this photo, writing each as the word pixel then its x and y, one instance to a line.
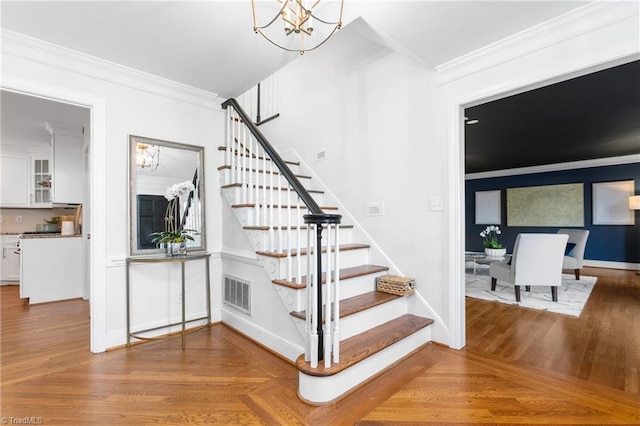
pixel 157 169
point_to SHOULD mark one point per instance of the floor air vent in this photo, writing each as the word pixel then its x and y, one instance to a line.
pixel 237 293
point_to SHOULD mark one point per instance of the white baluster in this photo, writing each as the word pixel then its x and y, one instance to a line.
pixel 298 242
pixel 254 187
pixel 272 204
pixel 289 231
pixel 243 141
pixel 264 189
pixel 249 166
pixel 227 153
pixel 313 309
pixel 234 158
pixel 327 307
pixel 336 297
pixel 279 189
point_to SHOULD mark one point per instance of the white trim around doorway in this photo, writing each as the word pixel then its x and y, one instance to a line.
pixel 97 233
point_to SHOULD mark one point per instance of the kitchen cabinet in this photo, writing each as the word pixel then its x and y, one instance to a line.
pixel 67 177
pixel 10 258
pixel 26 180
pixel 52 268
pixel 14 169
pixel 40 182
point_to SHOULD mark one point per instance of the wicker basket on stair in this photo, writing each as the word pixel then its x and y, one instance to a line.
pixel 394 284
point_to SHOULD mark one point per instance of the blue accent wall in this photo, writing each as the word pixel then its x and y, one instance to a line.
pixel 616 243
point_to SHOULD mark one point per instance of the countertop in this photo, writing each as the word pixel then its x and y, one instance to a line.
pixel 52 235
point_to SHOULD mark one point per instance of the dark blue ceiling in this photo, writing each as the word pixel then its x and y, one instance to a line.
pixel 593 116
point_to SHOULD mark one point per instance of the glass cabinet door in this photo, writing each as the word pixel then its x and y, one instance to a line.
pixel 41 181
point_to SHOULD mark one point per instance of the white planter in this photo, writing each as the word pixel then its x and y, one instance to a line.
pixel 498 253
pixel 177 249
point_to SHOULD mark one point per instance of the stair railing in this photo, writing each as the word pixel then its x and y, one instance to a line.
pixel 273 193
pixel 186 216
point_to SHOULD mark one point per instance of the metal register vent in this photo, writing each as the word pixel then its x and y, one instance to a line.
pixel 237 293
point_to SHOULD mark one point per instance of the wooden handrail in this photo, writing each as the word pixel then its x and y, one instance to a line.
pixel 317 215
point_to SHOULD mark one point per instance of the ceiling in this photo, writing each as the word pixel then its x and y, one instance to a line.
pixel 589 117
pixel 211 44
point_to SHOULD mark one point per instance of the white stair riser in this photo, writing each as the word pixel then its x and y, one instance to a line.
pixel 257 178
pixel 372 317
pixel 238 160
pixel 238 196
pixel 364 320
pixel 277 267
pixel 321 390
pixel 261 239
pixel 250 216
pixel 297 299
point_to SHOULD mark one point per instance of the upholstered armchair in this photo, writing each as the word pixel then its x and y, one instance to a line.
pixel 574 254
pixel 536 260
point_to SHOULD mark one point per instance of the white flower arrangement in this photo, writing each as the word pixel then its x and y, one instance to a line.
pixel 178 190
pixel 173 233
pixel 490 235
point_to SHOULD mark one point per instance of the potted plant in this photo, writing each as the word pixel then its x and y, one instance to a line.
pixel 492 247
pixel 174 237
pixel 174 240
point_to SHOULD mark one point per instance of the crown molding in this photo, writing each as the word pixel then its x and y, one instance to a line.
pixel 571 24
pixel 25 47
pixel 584 164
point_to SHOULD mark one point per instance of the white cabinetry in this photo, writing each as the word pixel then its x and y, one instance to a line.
pixel 67 178
pixel 53 268
pixel 10 258
pixel 14 171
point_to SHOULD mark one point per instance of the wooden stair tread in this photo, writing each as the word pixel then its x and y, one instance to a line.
pixel 285 228
pixel 355 304
pixel 345 274
pixel 239 185
pixel 364 345
pixel 303 252
pixel 237 206
pixel 275 172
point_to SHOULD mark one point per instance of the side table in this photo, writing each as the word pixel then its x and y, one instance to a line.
pixel 167 259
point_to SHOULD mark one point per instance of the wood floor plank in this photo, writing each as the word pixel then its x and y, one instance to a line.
pixel 581 371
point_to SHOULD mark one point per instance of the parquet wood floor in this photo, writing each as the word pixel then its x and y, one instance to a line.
pixel 224 378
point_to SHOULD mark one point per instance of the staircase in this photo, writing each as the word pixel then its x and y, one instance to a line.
pixel 352 332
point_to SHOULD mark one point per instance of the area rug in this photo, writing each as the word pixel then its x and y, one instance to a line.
pixel 572 295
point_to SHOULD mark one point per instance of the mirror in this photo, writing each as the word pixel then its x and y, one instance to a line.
pixel 155 167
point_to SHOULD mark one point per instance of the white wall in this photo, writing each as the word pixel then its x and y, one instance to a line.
pixel 392 131
pixel 372 110
pixel 124 102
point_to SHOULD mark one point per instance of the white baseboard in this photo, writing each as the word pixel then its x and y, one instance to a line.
pixel 612 265
pixel 285 348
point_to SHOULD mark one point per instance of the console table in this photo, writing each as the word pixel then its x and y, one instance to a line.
pixel 166 259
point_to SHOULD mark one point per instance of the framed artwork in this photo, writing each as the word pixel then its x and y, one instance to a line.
pixel 488 208
pixel 546 205
pixel 611 203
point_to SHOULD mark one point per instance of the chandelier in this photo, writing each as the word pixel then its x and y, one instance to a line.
pixel 299 26
pixel 147 156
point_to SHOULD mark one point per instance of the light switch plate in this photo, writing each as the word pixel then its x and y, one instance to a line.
pixel 436 204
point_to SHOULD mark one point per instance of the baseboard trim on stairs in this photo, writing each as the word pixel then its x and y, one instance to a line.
pixel 272 342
